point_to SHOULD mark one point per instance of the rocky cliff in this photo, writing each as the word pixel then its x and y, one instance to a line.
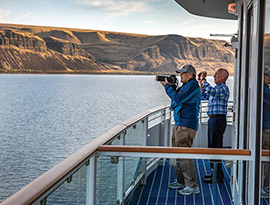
pixel 47 49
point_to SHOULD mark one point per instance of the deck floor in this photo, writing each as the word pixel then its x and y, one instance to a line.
pixel 157 192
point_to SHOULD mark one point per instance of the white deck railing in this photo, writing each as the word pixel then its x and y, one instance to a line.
pixel 150 128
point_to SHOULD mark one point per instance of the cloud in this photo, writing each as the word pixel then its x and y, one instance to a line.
pixel 150 21
pixel 23 16
pixel 119 7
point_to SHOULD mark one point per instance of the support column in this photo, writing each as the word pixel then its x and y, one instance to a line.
pixel 91 181
pixel 120 174
pixel 144 143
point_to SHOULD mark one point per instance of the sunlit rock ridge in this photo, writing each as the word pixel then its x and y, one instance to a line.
pixel 36 49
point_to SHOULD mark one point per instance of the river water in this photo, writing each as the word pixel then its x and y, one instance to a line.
pixel 46 118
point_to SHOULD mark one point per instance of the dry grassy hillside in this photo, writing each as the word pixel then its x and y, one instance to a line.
pixel 49 49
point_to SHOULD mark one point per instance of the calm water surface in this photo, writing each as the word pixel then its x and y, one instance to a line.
pixel 45 118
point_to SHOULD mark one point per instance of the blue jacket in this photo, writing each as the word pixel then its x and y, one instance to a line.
pixel 266 107
pixel 185 103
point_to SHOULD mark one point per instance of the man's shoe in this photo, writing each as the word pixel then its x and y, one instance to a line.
pixel 207 175
pixel 176 185
pixel 210 180
pixel 189 190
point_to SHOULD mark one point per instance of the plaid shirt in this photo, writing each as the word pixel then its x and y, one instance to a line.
pixel 218 98
pixel 204 95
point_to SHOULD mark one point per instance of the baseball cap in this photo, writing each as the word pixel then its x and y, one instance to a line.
pixel 267 71
pixel 187 69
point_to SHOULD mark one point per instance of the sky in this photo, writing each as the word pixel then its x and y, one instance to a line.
pixel 151 17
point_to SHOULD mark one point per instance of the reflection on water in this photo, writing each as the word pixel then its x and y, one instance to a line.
pixel 45 118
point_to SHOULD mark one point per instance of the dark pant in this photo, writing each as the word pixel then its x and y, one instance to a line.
pixel 216 129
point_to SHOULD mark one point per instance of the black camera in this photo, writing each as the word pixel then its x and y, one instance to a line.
pixel 170 79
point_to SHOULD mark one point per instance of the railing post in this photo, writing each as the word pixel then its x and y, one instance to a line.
pixel 120 174
pixel 145 132
pixel 91 181
pixel 200 129
pixel 144 143
pixel 165 129
pixel 162 125
pixel 170 128
pixel 163 136
pixel 201 111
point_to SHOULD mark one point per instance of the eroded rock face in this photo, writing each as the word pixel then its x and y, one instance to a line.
pixel 22 51
pixel 14 59
pixel 164 53
pixel 22 40
pixel 76 49
pixel 66 47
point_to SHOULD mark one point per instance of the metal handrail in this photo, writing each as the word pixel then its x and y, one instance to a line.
pixel 46 183
pixel 176 150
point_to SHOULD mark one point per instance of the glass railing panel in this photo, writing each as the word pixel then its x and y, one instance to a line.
pixel 106 181
pixel 116 141
pixel 134 135
pixel 107 177
pixel 161 172
pixel 155 118
pixel 132 170
pixel 71 192
pixel 157 190
pixel 265 182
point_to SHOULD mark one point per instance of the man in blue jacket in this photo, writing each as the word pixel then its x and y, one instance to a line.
pixel 186 105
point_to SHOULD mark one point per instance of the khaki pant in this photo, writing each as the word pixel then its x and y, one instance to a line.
pixel 265 165
pixel 184 168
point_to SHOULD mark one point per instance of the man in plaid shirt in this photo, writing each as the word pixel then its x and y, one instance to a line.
pixel 217 111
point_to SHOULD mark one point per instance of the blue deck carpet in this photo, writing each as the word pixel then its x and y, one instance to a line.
pixel 157 192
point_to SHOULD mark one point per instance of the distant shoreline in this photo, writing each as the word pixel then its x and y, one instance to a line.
pixel 89 73
pixel 84 72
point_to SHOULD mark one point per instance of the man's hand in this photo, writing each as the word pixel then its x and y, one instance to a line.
pixel 200 79
pixel 204 74
pixel 163 83
pixel 199 76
